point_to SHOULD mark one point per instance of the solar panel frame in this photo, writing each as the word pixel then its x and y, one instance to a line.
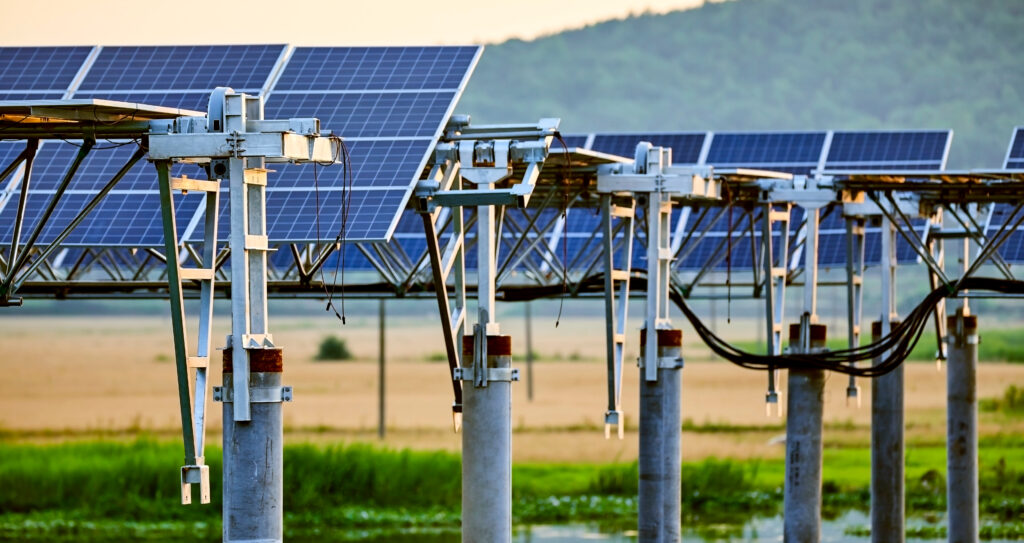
pixel 1015 150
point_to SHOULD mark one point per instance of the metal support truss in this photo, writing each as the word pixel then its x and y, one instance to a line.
pixel 191 368
pixel 616 301
pixel 855 247
pixel 774 261
pixel 449 263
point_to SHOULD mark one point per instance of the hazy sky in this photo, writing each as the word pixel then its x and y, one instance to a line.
pixel 303 22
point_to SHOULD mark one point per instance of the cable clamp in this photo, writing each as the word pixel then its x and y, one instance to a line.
pixel 670 362
pixel 664 362
pixel 973 339
pixel 256 394
pixel 493 374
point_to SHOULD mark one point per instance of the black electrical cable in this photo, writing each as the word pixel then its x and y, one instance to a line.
pixel 892 349
pixel 898 344
pixel 340 151
pixel 348 181
pixel 565 227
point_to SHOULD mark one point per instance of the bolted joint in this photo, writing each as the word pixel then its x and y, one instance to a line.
pixel 487 358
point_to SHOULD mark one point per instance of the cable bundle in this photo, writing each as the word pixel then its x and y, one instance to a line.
pixel 898 344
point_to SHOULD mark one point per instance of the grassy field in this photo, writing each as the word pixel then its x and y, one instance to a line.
pixel 76 378
pixel 43 488
pixel 79 392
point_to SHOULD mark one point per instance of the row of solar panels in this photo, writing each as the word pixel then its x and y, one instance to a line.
pixel 390 104
pixel 794 152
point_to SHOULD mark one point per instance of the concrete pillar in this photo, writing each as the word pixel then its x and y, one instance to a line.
pixel 487 447
pixel 254 455
pixel 962 429
pixel 804 411
pixel 887 452
pixel 660 481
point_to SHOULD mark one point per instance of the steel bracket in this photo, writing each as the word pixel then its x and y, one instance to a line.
pixel 191 475
pixel 256 394
pixel 664 362
pixel 493 374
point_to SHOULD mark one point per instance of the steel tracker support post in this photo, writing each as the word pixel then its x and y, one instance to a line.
pixel 887 428
pixel 962 428
pixel 659 463
pixel 381 374
pixel 253 424
pixel 805 409
pixel 804 422
pixel 487 406
pixel 887 452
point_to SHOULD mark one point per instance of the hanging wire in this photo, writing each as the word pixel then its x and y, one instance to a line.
pixel 340 151
pixel 565 227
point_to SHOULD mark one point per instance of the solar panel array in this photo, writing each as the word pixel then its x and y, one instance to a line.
pixel 793 152
pixel 389 103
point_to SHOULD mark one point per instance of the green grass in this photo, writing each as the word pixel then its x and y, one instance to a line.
pixel 1011 403
pixel 77 488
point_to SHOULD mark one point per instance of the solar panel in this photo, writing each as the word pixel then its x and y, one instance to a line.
pixel 30 96
pixel 390 104
pixel 170 76
pixel 897 150
pixel 1015 152
pixel 196 101
pixel 245 68
pixel 879 150
pixel 369 114
pixel 40 68
pixel 572 141
pixel 363 69
pixel 794 152
pixel 686 146
pixel 123 218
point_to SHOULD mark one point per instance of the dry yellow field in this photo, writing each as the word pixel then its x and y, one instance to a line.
pixel 79 377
